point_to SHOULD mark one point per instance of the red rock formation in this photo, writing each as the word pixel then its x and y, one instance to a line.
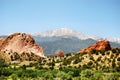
pixel 60 53
pixel 100 45
pixel 20 42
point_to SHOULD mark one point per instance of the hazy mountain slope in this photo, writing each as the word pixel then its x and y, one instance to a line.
pixel 66 44
pixel 114 44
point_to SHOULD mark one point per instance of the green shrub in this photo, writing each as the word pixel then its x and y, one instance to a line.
pixel 99 58
pixel 112 56
pixel 107 53
pixel 63 76
pixel 114 50
pixel 85 66
pixel 105 69
pixel 27 73
pixel 112 76
pixel 77 61
pixel 24 67
pixel 86 74
pixel 94 51
pixel 113 63
pixel 97 76
pixel 14 76
pixel 3 63
pixel 5 71
pixel 92 58
pixel 102 52
pixel 90 63
pixel 3 78
pixel 118 59
pixel 66 62
pixel 75 71
pixel 16 56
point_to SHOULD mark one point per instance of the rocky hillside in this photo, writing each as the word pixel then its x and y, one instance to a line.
pixel 20 42
pixel 100 45
pixel 99 56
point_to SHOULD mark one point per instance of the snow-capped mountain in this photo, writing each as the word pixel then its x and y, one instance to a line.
pixel 113 39
pixel 65 32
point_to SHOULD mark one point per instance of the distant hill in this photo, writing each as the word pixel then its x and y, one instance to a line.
pixel 72 44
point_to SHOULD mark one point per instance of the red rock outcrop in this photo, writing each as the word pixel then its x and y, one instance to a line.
pixel 100 45
pixel 60 53
pixel 20 42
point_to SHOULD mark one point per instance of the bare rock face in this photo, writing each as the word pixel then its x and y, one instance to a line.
pixel 20 42
pixel 100 45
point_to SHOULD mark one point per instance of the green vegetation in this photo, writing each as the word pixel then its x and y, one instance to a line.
pixel 59 74
pixel 96 65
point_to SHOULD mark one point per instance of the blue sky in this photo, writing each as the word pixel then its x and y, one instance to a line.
pixel 96 17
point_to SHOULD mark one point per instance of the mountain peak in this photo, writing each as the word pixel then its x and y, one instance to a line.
pixel 65 32
pixel 57 32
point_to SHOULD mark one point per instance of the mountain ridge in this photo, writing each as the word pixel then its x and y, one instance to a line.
pixel 68 41
pixel 66 32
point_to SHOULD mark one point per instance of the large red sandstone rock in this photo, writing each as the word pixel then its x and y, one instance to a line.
pixel 100 45
pixel 20 42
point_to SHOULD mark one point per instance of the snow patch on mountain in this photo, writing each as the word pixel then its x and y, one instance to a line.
pixel 66 33
pixel 113 39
